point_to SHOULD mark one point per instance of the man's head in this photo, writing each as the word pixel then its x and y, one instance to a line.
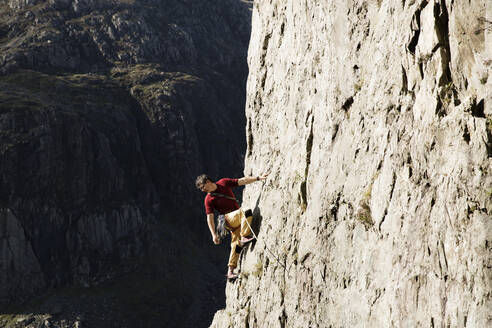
pixel 204 183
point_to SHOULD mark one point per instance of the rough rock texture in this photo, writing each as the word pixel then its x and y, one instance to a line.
pixel 78 190
pixel 108 111
pixel 17 254
pixel 375 120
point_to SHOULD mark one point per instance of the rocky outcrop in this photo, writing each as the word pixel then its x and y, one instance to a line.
pixel 18 257
pixel 80 191
pixel 108 111
pixel 375 121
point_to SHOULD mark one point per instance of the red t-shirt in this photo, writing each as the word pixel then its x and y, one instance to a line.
pixel 221 204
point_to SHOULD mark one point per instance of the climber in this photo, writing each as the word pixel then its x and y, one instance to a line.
pixel 220 198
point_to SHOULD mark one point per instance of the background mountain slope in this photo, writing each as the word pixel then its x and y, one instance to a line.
pixel 108 111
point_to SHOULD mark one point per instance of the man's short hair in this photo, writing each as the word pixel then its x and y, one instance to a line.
pixel 201 180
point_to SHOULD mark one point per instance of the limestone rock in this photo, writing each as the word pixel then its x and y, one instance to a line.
pixel 374 119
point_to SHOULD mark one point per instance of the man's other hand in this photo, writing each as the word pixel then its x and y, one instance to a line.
pixel 216 239
pixel 263 176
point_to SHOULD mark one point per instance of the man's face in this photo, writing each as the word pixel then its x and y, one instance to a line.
pixel 207 187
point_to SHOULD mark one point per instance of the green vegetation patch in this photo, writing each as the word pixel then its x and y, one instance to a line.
pixel 33 97
pixel 30 90
pixel 258 269
pixel 150 77
pixel 136 74
pixel 8 320
pixel 364 214
pixel 364 211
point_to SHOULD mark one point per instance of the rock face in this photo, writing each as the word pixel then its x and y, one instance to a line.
pixel 17 256
pixel 108 111
pixel 78 191
pixel 375 121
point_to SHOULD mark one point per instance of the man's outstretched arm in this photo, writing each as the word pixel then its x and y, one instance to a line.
pixel 247 180
pixel 211 226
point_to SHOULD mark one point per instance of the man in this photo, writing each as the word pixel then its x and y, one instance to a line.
pixel 220 198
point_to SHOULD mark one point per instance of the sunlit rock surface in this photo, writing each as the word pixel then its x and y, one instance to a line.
pixel 374 119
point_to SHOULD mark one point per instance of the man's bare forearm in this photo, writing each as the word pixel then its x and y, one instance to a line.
pixel 247 180
pixel 211 224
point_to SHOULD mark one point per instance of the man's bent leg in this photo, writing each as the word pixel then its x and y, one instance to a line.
pixel 233 219
pixel 245 230
pixel 235 248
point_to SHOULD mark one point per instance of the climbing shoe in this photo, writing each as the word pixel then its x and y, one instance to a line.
pixel 245 240
pixel 231 276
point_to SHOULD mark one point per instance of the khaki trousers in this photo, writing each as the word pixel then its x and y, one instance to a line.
pixel 236 223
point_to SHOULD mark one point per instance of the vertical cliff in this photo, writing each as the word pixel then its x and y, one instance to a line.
pixel 375 120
